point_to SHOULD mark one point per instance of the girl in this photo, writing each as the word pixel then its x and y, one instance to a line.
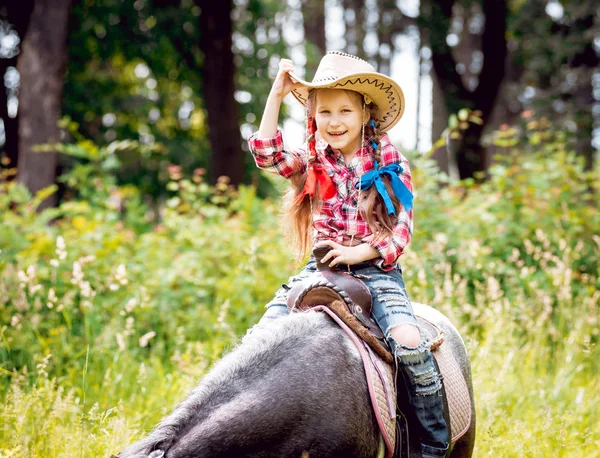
pixel 351 190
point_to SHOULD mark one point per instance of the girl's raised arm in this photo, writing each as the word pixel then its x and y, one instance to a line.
pixel 282 86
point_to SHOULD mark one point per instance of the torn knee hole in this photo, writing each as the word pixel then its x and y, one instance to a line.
pixel 406 335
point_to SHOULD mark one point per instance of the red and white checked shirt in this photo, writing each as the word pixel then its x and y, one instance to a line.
pixel 338 218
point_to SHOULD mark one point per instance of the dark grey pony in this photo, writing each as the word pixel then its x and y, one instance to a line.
pixel 293 389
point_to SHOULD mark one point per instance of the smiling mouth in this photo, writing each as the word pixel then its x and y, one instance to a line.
pixel 337 134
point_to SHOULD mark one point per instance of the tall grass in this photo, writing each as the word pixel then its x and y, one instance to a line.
pixel 108 320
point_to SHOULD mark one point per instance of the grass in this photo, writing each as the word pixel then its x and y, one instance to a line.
pixel 536 396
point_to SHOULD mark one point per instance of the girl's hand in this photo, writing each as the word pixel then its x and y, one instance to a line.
pixel 281 87
pixel 283 84
pixel 347 254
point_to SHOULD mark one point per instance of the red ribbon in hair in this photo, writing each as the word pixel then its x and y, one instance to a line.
pixel 317 175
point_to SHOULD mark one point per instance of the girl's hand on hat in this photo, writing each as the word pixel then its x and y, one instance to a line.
pixel 347 254
pixel 283 84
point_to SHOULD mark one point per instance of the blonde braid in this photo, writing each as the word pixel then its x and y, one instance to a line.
pixel 374 211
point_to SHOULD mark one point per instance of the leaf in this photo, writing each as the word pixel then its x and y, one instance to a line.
pixel 463 114
pixel 453 121
pixel 43 194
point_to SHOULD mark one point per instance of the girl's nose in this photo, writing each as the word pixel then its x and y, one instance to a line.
pixel 334 121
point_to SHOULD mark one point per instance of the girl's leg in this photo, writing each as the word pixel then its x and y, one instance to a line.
pixel 394 315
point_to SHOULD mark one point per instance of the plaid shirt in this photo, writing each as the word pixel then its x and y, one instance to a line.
pixel 338 218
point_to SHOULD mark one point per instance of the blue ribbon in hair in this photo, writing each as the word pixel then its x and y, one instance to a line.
pixel 400 190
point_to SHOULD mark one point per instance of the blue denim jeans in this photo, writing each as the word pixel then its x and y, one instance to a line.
pixel 392 308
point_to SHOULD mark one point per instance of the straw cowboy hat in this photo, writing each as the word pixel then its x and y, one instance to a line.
pixel 338 70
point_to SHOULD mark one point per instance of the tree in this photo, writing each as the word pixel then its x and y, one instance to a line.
pixel 219 71
pixel 436 17
pixel 41 64
pixel 313 13
pixel 558 62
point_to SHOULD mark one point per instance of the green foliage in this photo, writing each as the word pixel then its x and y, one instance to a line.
pixel 107 320
pixel 532 226
pixel 138 76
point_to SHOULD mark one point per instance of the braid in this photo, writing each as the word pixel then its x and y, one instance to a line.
pixel 311 129
pixel 373 134
pixel 298 218
pixel 374 210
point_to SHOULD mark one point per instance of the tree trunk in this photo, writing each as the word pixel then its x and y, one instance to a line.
pixel 354 18
pixel 42 65
pixel 471 159
pixel 439 122
pixel 585 63
pixel 313 13
pixel 219 89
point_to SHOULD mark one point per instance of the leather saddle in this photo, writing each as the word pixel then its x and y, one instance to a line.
pixel 347 296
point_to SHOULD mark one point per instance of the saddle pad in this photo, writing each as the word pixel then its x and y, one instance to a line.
pixel 380 382
pixel 457 392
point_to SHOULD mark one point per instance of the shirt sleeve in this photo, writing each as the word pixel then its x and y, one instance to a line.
pixel 391 248
pixel 270 155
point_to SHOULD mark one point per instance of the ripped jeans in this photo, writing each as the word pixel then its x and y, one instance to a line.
pixel 392 308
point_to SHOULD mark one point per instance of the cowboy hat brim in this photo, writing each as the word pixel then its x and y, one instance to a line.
pixel 382 90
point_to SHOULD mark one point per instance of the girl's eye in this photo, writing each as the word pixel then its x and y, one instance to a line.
pixel 346 110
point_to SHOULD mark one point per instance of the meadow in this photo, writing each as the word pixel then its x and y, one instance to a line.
pixel 112 309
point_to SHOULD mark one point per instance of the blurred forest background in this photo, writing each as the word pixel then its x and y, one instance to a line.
pixel 138 240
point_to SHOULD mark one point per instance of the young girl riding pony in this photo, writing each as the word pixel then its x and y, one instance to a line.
pixel 352 192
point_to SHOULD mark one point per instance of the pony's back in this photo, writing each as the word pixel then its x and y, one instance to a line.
pixel 292 387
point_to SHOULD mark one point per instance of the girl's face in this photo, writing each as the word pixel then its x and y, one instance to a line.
pixel 339 116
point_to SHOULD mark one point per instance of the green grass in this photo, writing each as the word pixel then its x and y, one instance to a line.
pixel 533 399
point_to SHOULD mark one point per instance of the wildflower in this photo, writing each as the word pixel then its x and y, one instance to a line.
pixel 121 275
pixel 129 322
pixel 77 273
pixel 87 259
pixel 61 248
pixel 42 366
pixel 23 278
pixel 146 338
pixel 32 271
pixel 526 114
pixel 131 303
pixel 52 299
pixel 121 342
pixel 174 172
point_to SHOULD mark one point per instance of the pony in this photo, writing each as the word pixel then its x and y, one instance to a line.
pixel 293 388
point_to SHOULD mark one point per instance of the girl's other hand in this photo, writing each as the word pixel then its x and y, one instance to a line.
pixel 283 84
pixel 347 254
